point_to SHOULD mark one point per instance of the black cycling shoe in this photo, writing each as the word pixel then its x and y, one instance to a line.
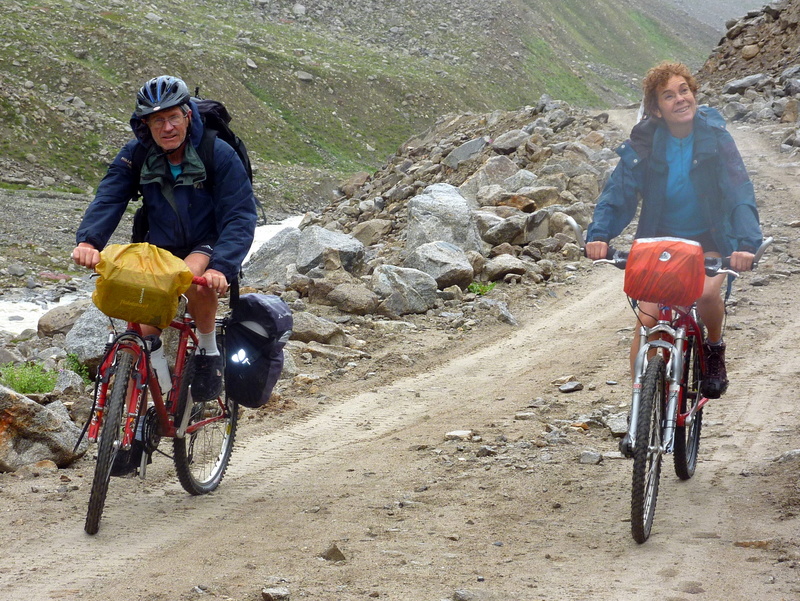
pixel 715 382
pixel 207 381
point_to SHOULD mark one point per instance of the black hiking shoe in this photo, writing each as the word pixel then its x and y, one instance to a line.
pixel 207 381
pixel 715 382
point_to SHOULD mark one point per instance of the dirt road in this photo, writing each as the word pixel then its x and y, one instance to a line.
pixel 512 515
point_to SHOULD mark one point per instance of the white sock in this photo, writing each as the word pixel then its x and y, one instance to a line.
pixel 207 343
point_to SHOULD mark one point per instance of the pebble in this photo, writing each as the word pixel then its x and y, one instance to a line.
pixel 572 386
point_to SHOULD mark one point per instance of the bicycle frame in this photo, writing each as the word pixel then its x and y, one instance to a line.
pixel 143 379
pixel 667 337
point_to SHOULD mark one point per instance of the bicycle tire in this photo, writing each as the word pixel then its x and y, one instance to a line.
pixel 687 439
pixel 110 439
pixel 647 453
pixel 202 457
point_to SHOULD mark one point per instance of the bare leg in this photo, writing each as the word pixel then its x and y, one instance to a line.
pixel 711 308
pixel 202 301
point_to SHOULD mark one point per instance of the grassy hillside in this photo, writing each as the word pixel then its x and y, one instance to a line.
pixel 381 71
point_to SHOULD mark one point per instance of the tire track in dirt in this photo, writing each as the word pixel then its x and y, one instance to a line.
pixel 147 529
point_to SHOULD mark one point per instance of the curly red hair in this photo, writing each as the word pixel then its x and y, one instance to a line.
pixel 658 76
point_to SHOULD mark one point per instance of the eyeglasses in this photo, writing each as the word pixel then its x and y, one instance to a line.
pixel 159 122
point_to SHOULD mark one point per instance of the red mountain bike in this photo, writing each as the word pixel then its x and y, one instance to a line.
pixel 666 414
pixel 202 432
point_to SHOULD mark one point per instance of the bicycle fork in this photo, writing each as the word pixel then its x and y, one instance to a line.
pixel 674 367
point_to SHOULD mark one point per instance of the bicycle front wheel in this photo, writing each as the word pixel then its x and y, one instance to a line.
pixel 110 439
pixel 202 455
pixel 647 450
pixel 687 438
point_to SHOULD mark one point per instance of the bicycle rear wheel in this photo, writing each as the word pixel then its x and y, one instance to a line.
pixel 110 439
pixel 647 450
pixel 687 438
pixel 202 456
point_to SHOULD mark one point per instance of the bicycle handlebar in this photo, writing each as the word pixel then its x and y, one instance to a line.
pixel 200 281
pixel 714 265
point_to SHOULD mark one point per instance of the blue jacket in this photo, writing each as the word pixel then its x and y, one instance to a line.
pixel 718 174
pixel 224 218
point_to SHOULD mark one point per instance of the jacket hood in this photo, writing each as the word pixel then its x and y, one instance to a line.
pixel 142 132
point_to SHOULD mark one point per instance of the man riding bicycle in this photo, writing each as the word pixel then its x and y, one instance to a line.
pixel 685 167
pixel 210 227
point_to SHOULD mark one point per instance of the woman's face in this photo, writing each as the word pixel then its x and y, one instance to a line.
pixel 676 106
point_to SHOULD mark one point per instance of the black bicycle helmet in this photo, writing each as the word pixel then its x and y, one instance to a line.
pixel 162 92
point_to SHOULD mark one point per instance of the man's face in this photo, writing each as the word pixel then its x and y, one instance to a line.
pixel 169 127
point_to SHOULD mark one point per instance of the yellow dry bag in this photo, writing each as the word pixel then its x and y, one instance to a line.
pixel 140 283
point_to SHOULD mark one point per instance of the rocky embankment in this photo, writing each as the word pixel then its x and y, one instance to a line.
pixel 763 41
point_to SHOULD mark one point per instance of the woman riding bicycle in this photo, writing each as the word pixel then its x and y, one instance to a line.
pixel 684 165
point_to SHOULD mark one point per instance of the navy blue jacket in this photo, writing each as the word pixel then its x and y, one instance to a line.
pixel 718 174
pixel 224 218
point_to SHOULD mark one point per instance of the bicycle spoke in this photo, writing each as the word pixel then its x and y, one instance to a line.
pixel 202 456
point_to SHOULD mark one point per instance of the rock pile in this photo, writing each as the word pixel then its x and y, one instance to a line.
pixel 763 41
pixel 771 101
pixel 477 199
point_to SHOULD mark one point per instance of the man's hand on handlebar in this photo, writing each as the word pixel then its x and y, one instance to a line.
pixel 596 250
pixel 86 255
pixel 216 280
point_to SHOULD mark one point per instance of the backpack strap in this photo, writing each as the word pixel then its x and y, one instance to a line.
pixel 206 152
pixel 137 162
pixel 140 223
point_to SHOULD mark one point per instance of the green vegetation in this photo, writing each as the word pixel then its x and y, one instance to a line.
pixel 372 89
pixel 74 364
pixel 27 378
pixel 481 288
pixel 555 78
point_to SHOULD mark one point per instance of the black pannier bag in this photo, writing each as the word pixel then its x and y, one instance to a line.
pixel 258 328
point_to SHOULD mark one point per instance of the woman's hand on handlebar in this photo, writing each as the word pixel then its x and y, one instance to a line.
pixel 86 255
pixel 742 261
pixel 596 250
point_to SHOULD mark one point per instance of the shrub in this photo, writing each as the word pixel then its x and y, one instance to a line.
pixel 74 364
pixel 27 378
pixel 481 288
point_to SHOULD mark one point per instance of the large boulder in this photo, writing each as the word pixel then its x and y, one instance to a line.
pixel 317 242
pixel 372 231
pixel 441 213
pixel 354 298
pixel 502 265
pixel 270 262
pixel 32 432
pixel 511 230
pixel 511 140
pixel 445 262
pixel 87 338
pixel 308 327
pixel 403 290
pixel 60 320
pixel 494 171
pixel 738 86
pixel 465 152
